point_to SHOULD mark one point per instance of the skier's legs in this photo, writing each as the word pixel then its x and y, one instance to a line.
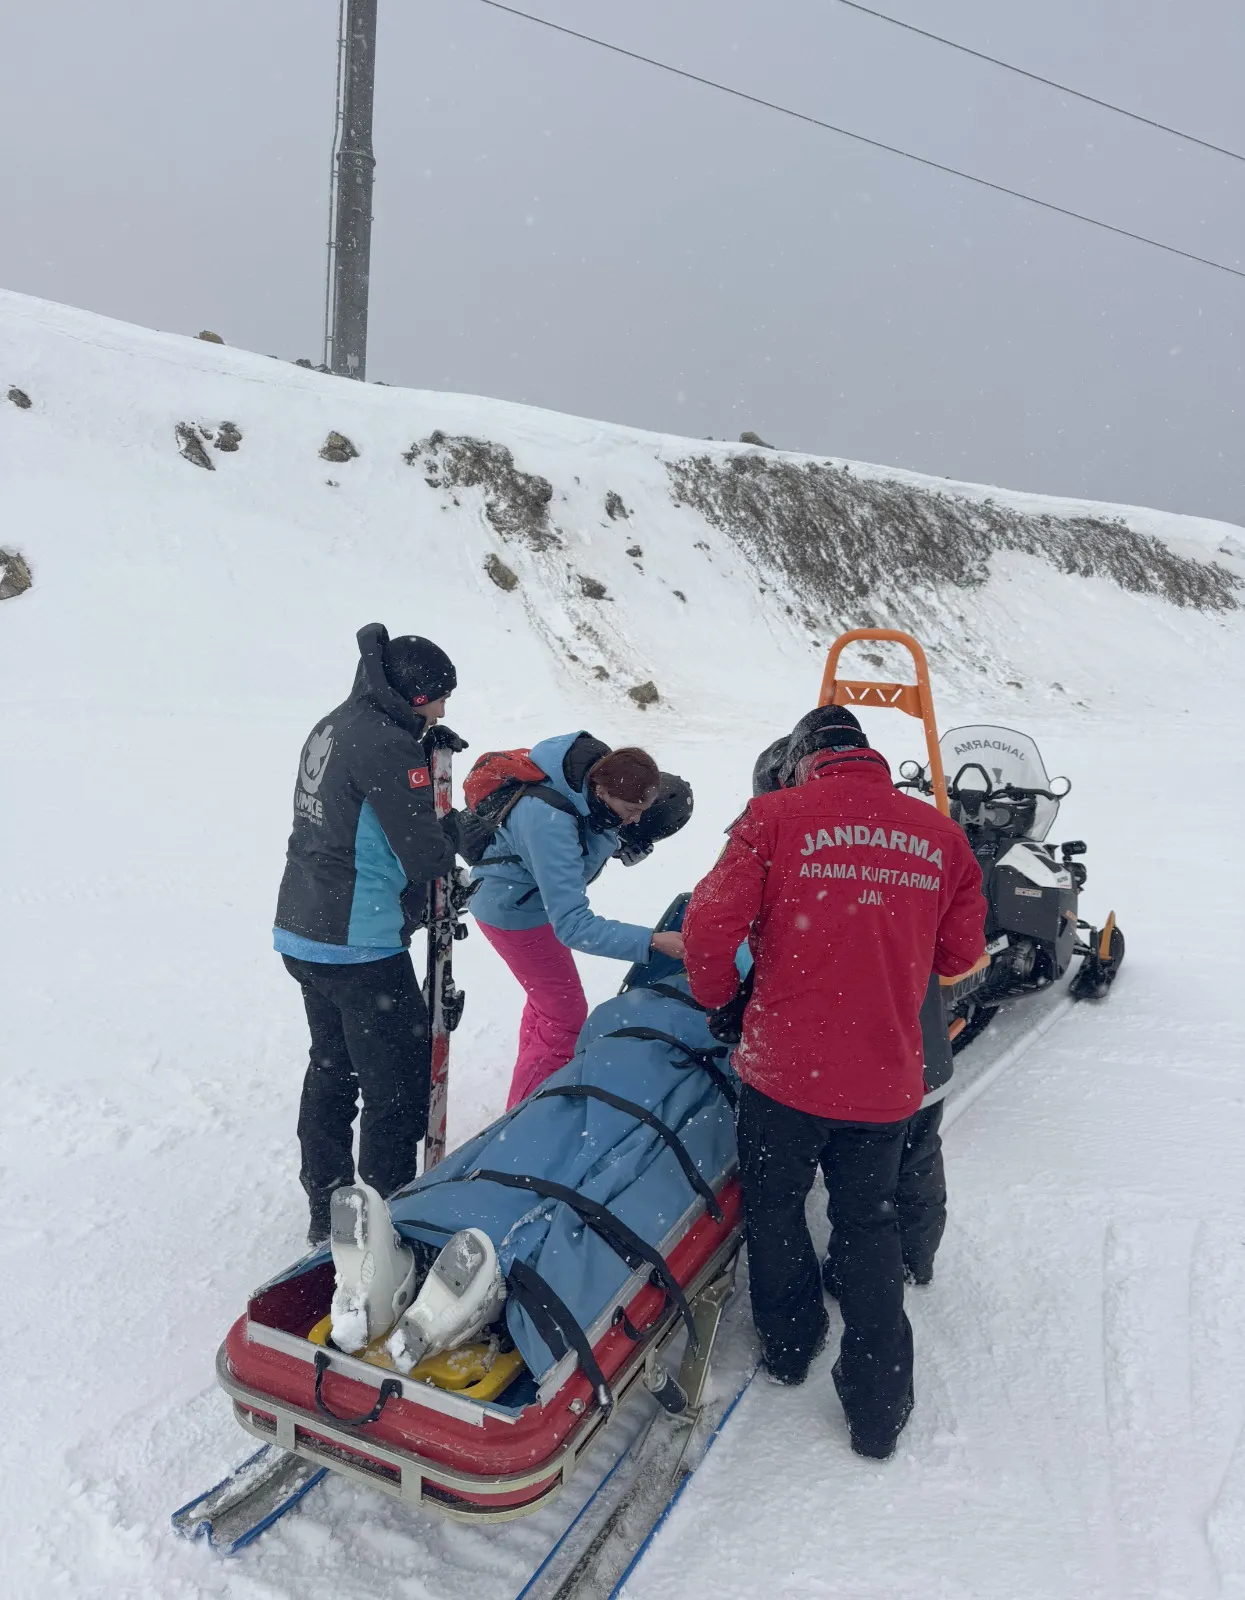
pixel 778 1150
pixel 556 1007
pixel 327 1109
pixel 385 1022
pixel 873 1374
pixel 921 1194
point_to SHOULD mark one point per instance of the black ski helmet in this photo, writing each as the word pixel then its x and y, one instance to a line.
pixel 418 670
pixel 671 811
pixel 767 770
pixel 826 728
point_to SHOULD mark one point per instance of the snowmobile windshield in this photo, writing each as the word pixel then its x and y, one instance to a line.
pixel 1007 757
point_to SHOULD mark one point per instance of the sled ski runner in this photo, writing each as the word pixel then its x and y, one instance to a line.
pixel 602 1543
pixel 248 1500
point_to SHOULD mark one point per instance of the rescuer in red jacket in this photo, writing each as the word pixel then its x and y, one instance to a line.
pixel 847 893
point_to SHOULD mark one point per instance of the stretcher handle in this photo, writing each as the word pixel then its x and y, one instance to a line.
pixel 388 1389
pixel 916 699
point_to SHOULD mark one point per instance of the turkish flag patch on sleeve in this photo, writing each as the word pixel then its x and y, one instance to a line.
pixel 419 777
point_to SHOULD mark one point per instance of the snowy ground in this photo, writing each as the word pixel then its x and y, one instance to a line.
pixel 1081 1376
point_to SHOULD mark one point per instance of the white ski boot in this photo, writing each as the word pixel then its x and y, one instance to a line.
pixel 461 1295
pixel 375 1271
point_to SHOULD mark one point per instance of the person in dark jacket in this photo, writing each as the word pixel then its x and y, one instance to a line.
pixel 849 894
pixel 921 1193
pixel 365 845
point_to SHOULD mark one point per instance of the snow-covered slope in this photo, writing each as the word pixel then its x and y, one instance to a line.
pixel 184 628
pixel 637 556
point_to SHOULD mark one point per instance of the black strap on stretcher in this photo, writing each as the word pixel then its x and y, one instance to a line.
pixel 622 1240
pixel 388 1390
pixel 668 992
pixel 557 1325
pixel 705 1059
pixel 588 1091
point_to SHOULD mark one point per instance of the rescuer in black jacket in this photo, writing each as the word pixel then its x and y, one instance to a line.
pixel 365 844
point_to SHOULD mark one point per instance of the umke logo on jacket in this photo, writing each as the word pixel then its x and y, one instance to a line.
pixel 316 753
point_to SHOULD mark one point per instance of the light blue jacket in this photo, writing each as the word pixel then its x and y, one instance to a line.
pixel 549 882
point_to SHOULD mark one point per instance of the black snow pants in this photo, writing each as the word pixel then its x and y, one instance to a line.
pixel 369 1036
pixel 779 1152
pixel 920 1199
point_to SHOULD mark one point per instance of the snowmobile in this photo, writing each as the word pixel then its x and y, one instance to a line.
pixel 999 793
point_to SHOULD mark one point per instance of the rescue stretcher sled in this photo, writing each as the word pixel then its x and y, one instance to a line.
pixel 493 1433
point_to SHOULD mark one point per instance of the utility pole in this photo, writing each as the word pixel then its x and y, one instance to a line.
pixel 350 197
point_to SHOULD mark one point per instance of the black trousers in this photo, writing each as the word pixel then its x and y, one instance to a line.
pixel 369 1036
pixel 920 1198
pixel 779 1152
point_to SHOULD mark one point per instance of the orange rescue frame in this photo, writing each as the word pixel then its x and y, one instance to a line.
pixel 916 700
pixel 913 698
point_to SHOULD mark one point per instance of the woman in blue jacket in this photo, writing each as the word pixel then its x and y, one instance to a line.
pixel 532 903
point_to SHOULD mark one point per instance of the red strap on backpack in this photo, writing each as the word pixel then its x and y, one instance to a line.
pixel 497 767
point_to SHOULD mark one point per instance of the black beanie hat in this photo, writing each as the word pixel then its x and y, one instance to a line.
pixel 418 670
pixel 827 728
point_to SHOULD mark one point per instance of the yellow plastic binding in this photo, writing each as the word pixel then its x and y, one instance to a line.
pixel 478 1371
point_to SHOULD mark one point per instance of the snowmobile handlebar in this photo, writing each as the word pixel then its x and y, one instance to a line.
pixel 916 778
pixel 1017 792
pixel 1004 811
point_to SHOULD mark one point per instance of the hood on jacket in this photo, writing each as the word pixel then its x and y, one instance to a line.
pixel 550 755
pixel 372 687
pixel 841 763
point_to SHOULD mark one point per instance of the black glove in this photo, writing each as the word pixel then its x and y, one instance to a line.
pixel 630 853
pixel 443 738
pixel 469 836
pixel 726 1024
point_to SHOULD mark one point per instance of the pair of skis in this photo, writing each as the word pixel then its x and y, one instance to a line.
pixel 447 898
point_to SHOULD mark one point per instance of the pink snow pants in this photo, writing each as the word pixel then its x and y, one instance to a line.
pixel 556 1008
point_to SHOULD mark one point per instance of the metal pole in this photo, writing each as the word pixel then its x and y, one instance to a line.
pixel 350 240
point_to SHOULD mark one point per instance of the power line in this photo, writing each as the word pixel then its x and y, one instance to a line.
pixel 860 138
pixel 1038 78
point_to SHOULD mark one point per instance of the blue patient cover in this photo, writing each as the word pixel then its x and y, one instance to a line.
pixel 604 1153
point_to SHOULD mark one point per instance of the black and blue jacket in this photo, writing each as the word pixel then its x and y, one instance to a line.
pixel 366 839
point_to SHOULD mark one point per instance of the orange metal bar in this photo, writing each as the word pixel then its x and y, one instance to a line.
pixel 915 699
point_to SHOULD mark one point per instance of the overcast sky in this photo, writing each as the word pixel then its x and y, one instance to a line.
pixel 557 225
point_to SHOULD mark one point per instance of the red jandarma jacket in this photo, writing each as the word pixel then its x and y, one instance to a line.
pixel 848 893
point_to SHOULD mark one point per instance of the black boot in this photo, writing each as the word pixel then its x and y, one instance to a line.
pixel 319 1229
pixel 792 1376
pixel 878 1447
